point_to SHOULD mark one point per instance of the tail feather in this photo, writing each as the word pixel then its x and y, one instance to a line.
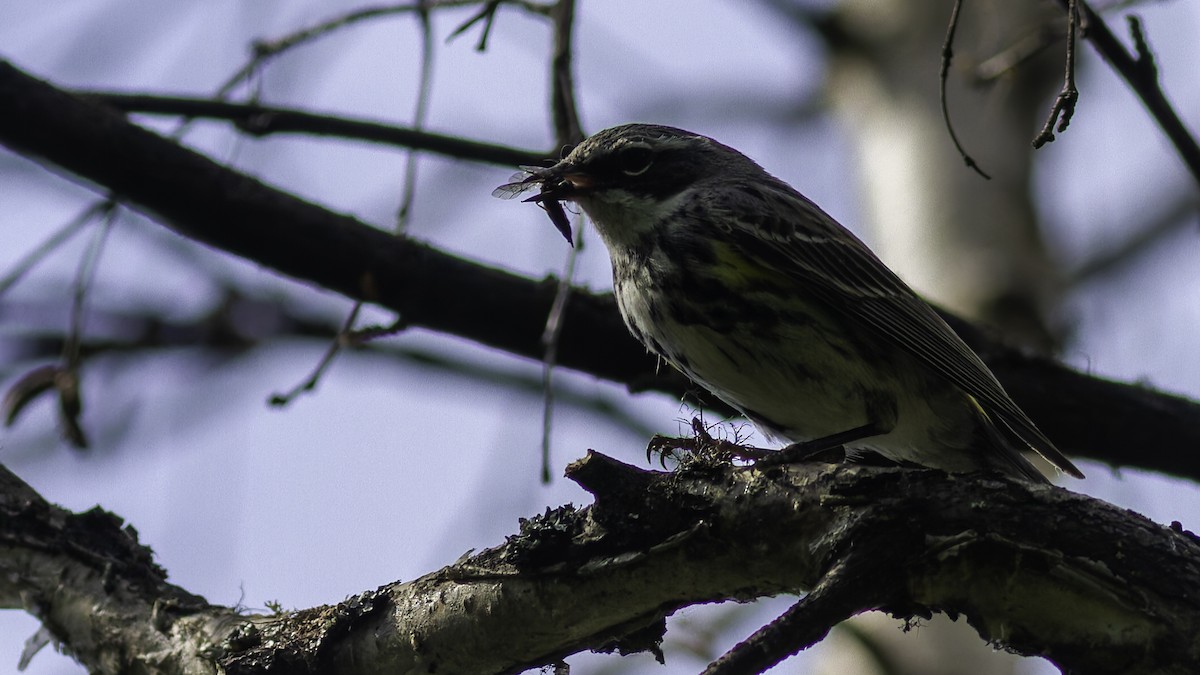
pixel 1009 448
pixel 1012 442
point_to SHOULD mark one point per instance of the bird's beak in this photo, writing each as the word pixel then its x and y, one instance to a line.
pixel 562 182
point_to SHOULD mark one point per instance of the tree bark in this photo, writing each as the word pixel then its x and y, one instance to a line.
pixel 1034 569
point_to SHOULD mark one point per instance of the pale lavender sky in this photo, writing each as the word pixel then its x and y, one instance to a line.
pixel 394 469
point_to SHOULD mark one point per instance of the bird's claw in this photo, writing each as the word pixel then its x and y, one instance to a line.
pixel 666 446
pixel 700 445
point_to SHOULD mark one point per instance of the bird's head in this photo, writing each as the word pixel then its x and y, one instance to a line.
pixel 634 162
pixel 629 177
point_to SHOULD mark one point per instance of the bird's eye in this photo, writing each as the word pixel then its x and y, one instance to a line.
pixel 634 159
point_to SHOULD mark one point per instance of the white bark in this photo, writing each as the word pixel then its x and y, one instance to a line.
pixel 970 244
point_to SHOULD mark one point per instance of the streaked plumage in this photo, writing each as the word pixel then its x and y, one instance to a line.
pixel 755 293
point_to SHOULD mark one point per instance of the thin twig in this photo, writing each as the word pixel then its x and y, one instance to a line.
pixel 260 120
pixel 58 238
pixel 278 45
pixel 1064 104
pixel 310 383
pixel 67 379
pixel 269 48
pixel 420 113
pixel 1142 79
pixel 943 75
pixel 487 14
pixel 346 335
pixel 567 129
pixel 551 337
pixel 265 50
pixel 1147 68
pixel 84 275
pixel 567 132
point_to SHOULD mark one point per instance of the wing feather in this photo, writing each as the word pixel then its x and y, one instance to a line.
pixel 800 240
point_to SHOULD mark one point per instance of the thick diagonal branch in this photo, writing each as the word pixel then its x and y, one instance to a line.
pixel 200 199
pixel 1033 568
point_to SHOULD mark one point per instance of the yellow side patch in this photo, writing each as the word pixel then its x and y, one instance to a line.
pixel 735 270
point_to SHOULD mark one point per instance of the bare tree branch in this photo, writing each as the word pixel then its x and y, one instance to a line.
pixel 224 330
pixel 99 592
pixel 1170 218
pixel 853 584
pixel 568 131
pixel 262 120
pixel 1142 76
pixel 265 50
pixel 943 75
pixel 407 197
pixel 1121 424
pixel 58 238
pixel 1033 568
pixel 1064 104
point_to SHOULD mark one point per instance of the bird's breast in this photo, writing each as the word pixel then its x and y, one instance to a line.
pixel 789 363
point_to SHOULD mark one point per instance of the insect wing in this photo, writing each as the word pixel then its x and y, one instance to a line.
pixel 524 180
pixel 535 177
pixel 511 190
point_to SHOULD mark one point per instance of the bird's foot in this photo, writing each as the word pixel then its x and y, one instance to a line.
pixel 701 446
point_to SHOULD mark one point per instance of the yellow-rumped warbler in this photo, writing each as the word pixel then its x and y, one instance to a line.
pixel 758 295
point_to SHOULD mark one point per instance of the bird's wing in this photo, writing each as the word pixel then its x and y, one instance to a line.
pixel 775 224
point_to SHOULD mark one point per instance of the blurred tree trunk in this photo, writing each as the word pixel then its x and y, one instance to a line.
pixel 968 243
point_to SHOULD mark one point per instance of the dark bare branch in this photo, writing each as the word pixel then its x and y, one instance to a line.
pixel 1143 79
pixel 1064 104
pixel 265 50
pixel 567 129
pixel 651 544
pixel 1175 216
pixel 1116 423
pixel 853 584
pixel 224 330
pixel 260 120
pixel 943 75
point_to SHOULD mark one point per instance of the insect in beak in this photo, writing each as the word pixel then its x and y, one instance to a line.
pixel 554 188
pixel 558 215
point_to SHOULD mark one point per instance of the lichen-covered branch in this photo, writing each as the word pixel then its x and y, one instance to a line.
pixel 97 591
pixel 1035 569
